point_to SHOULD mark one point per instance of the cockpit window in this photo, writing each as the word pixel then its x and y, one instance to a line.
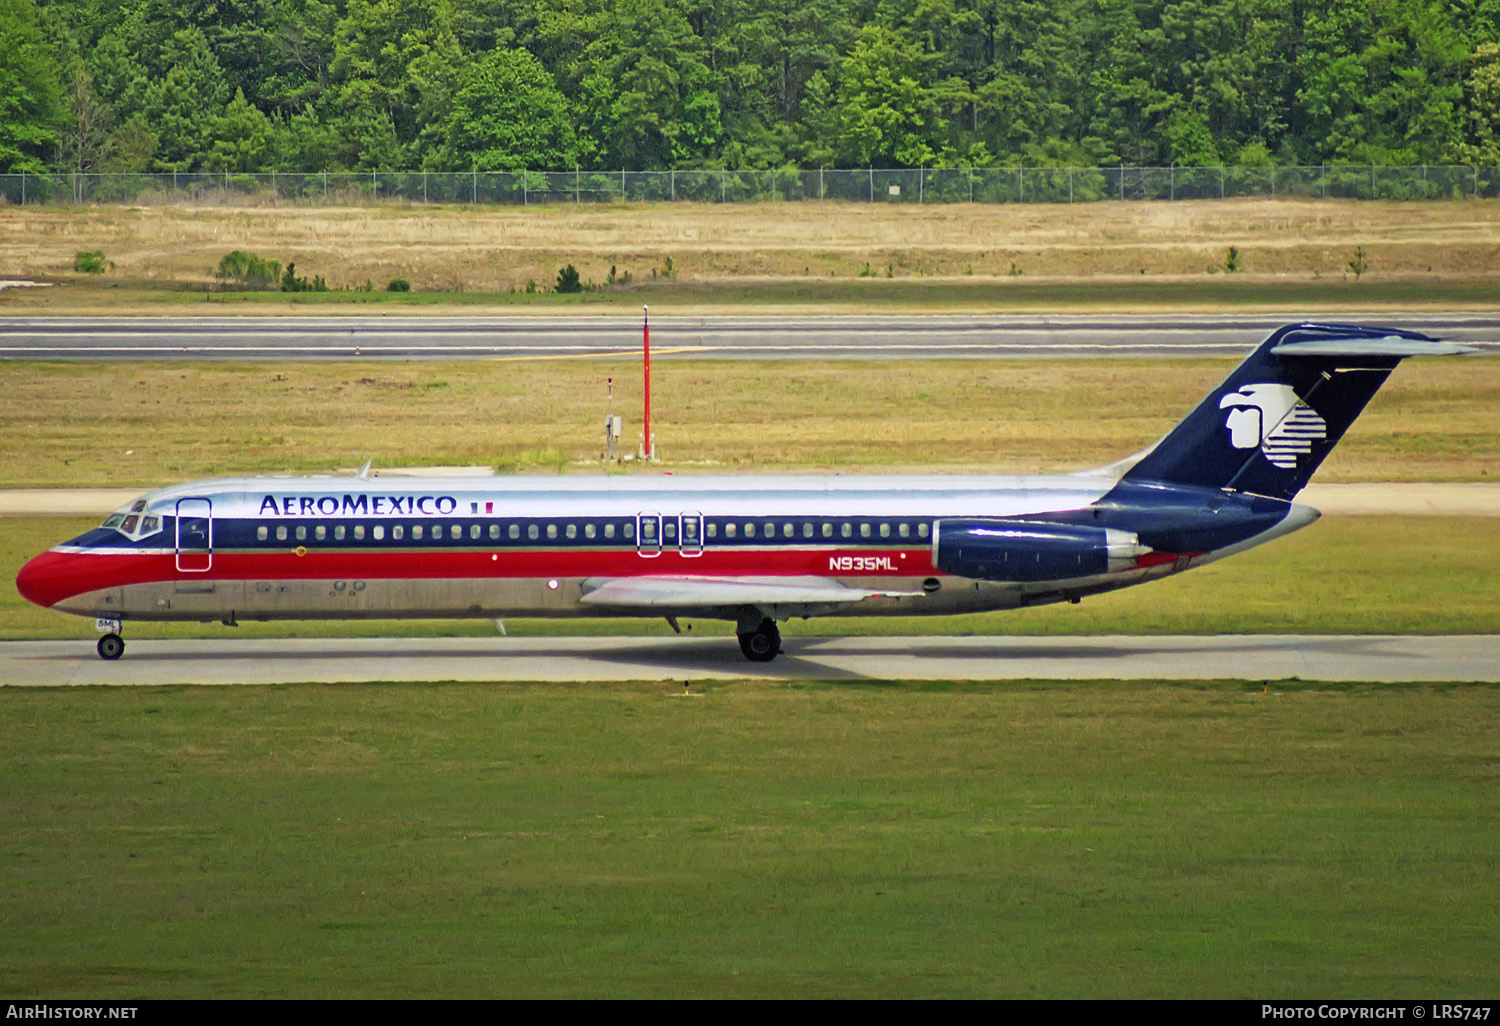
pixel 133 522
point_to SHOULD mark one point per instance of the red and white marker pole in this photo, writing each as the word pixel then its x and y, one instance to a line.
pixel 646 343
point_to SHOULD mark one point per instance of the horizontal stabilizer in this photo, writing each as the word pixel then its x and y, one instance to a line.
pixel 714 592
pixel 1390 345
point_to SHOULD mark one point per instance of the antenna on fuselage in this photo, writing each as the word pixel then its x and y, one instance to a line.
pixel 364 471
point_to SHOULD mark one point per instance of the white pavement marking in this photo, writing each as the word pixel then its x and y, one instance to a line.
pixel 1352 658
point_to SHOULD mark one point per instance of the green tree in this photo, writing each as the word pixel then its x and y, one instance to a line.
pixel 30 106
pixel 507 115
pixel 886 113
pixel 650 99
pixel 243 139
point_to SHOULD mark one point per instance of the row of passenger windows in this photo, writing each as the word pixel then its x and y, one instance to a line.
pixel 767 528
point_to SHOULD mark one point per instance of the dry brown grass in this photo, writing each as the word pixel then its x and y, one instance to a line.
pixel 93 425
pixel 499 248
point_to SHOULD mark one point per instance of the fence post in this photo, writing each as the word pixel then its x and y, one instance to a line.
pixel 1424 182
pixel 575 185
pixel 1271 174
pixel 1221 181
pixel 1070 185
pixel 474 186
pixel 526 188
pixel 674 185
pixel 623 197
pixel 1172 181
pixel 424 185
pixel 374 185
pixel 1372 181
pixel 1122 182
pixel 821 195
pixel 872 184
pixel 23 187
pixel 1476 181
pixel 1020 185
pixel 921 184
pixel 723 186
pixel 1323 177
pixel 971 183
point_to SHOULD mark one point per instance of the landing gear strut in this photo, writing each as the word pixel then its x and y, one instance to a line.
pixel 111 646
pixel 762 644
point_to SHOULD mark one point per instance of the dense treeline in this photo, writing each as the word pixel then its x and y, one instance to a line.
pixel 254 85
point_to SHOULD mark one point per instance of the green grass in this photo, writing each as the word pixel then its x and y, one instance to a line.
pixel 102 424
pixel 828 293
pixel 803 840
pixel 1342 575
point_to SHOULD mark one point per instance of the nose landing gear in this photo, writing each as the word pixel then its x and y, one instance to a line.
pixel 763 643
pixel 111 646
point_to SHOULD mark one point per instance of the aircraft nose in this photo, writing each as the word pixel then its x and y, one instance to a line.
pixel 34 579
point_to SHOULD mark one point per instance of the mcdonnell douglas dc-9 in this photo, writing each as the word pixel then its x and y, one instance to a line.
pixel 755 550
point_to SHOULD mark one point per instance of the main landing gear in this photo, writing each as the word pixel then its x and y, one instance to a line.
pixel 111 646
pixel 763 643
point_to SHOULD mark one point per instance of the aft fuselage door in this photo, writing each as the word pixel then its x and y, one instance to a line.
pixel 648 533
pixel 195 536
pixel 690 534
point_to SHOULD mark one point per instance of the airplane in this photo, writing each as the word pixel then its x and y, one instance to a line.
pixel 754 550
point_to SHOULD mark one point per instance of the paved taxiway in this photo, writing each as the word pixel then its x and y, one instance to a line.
pixel 1376 658
pixel 986 336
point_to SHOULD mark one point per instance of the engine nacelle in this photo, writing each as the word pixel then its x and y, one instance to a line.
pixel 1018 550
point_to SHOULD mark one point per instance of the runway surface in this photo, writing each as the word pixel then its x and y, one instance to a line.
pixel 737 338
pixel 1376 658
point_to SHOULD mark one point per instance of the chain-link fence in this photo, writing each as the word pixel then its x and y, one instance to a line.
pixel 929 185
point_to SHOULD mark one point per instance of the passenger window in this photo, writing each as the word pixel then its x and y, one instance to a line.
pixel 320 532
pixel 456 532
pixel 261 534
pixel 397 532
pixel 922 530
pixel 302 534
pixel 729 530
pixel 864 530
pixel 338 533
pixel 787 530
pixel 807 530
pixel 648 529
pixel 378 532
pixel 494 532
pixel 669 531
pixel 885 529
pixel 846 529
pixel 749 530
pixel 416 532
pixel 609 530
pixel 359 532
pixel 628 531
pixel 281 533
pixel 905 530
pixel 515 531
pixel 571 531
pixel 712 530
pixel 474 532
pixel 551 530
pixel 588 530
pixel 532 532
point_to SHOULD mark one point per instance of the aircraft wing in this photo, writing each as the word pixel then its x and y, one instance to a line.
pixel 794 595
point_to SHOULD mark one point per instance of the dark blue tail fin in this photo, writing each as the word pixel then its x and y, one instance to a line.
pixel 1274 419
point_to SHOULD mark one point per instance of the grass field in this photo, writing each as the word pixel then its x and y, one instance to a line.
pixel 1342 575
pixel 150 424
pixel 805 840
pixel 833 256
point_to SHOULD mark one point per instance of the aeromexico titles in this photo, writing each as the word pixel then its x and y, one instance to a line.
pixel 752 550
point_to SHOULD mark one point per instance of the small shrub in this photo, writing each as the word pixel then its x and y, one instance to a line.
pixel 91 262
pixel 291 283
pixel 398 285
pixel 1014 272
pixel 867 271
pixel 1232 261
pixel 247 270
pixel 567 280
pixel 668 269
pixel 1357 264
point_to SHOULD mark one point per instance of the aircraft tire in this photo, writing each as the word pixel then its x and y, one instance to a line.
pixel 111 647
pixel 763 644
